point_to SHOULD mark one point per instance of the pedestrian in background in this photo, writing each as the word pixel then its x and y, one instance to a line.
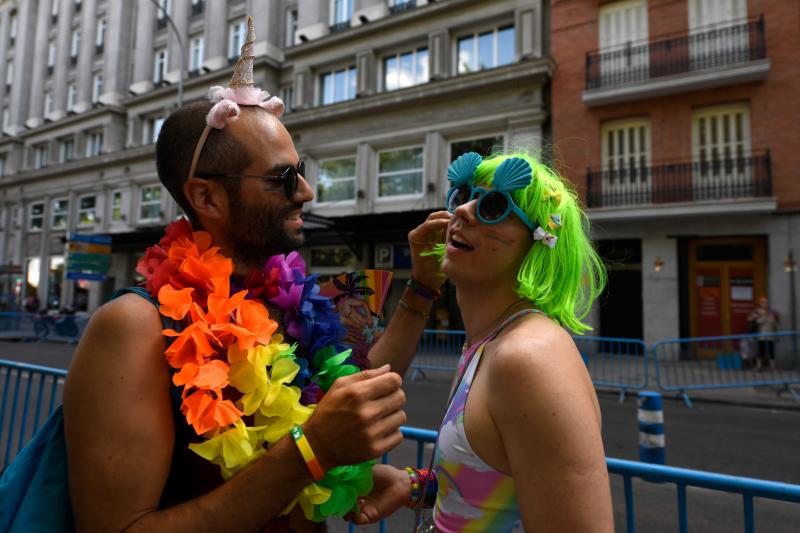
pixel 765 320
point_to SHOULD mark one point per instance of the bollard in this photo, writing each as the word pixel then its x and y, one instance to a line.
pixel 651 427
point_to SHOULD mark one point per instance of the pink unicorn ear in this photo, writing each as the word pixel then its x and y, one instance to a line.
pixel 274 106
pixel 221 113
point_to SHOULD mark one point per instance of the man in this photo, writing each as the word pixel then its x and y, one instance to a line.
pixel 121 430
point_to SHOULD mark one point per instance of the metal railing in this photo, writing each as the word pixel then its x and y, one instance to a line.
pixel 706 48
pixel 400 6
pixel 730 361
pixel 438 351
pixel 340 26
pixel 615 362
pixel 33 326
pixel 717 178
pixel 29 395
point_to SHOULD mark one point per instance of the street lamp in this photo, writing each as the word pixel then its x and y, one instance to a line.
pixel 166 16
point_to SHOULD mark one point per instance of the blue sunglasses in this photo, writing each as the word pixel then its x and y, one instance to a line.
pixel 494 205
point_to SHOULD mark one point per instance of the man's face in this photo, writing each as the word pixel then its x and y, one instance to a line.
pixel 263 221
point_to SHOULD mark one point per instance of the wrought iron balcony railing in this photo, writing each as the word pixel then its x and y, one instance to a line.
pixel 340 26
pixel 716 178
pixel 688 52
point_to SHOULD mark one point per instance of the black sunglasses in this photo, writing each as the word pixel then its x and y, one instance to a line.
pixel 287 178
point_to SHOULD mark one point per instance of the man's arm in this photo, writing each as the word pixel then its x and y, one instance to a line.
pixel 398 344
pixel 543 404
pixel 120 434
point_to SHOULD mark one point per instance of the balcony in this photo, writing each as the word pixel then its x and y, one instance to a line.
pixel 712 180
pixel 714 57
pixel 399 6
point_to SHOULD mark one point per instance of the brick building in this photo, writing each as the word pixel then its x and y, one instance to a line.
pixel 678 122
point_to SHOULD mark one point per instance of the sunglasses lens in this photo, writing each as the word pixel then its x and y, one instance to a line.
pixel 493 206
pixel 458 196
pixel 290 178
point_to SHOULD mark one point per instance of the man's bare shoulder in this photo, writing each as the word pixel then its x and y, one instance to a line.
pixel 122 335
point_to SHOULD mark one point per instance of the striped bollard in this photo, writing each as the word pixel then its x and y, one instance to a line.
pixel 651 427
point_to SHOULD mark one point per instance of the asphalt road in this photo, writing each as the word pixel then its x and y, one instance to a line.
pixel 729 439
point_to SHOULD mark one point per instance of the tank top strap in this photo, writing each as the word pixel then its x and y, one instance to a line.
pixel 505 323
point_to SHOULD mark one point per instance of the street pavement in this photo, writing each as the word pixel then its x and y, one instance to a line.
pixel 741 432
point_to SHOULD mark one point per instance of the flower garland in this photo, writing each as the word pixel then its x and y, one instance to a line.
pixel 243 386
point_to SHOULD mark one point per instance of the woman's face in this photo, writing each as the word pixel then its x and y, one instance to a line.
pixel 480 253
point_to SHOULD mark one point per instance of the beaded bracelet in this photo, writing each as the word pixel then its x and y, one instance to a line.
pixel 411 309
pixel 423 488
pixel 416 488
pixel 423 290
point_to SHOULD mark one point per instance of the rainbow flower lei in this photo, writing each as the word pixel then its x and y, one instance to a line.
pixel 243 385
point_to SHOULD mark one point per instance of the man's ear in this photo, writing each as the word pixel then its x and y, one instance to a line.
pixel 208 198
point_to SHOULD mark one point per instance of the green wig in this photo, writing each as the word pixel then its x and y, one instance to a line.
pixel 562 281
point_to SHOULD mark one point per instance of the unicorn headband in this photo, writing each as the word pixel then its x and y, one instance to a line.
pixel 240 92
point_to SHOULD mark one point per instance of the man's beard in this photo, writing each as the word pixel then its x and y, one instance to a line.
pixel 256 233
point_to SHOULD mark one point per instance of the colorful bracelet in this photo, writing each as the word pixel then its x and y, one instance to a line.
pixel 416 488
pixel 308 454
pixel 423 290
pixel 430 486
pixel 411 309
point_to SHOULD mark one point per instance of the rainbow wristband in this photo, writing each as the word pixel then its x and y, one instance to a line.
pixel 308 454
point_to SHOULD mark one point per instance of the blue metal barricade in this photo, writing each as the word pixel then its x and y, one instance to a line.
pixel 438 351
pixel 615 363
pixel 683 365
pixel 29 394
pixel 33 326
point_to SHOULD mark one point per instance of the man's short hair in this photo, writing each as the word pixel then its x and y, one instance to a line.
pixel 222 154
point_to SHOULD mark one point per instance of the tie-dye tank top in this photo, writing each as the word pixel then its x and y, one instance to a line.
pixel 472 495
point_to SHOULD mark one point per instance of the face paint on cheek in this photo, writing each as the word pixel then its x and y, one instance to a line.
pixel 500 240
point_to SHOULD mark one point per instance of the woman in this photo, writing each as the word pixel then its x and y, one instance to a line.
pixel 766 321
pixel 520 445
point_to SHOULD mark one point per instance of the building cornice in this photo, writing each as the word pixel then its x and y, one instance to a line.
pixel 535 71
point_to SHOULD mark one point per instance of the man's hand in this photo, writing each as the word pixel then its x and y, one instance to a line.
pixel 425 269
pixel 391 490
pixel 358 419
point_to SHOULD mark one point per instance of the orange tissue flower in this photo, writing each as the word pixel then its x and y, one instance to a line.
pixel 205 412
pixel 175 303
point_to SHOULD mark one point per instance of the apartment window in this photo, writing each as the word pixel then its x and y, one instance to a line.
pixel 623 35
pixel 400 172
pixel 291 27
pixel 2 166
pixel 97 87
pixel 721 143
pixel 100 39
pixel 160 66
pixel 94 143
pixel 287 95
pixel 12 34
pixel 164 9
pixel 36 216
pixel 48 103
pixel 717 45
pixel 78 6
pixel 237 31
pixel 87 210
pixel 54 5
pixel 116 207
pixel 196 54
pixel 41 154
pixel 151 129
pixel 341 12
pixel 484 146
pixel 6 118
pixel 626 154
pixel 150 203
pixel 336 180
pixel 51 57
pixel 198 6
pixel 72 92
pixel 339 86
pixel 59 213
pixel 9 74
pixel 486 50
pixel 405 70
pixel 75 46
pixel 66 150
